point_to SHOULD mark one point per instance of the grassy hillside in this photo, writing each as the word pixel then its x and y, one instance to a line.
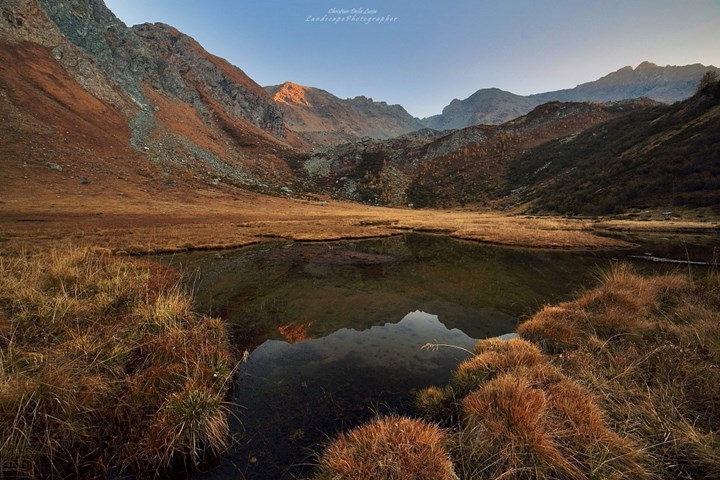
pixel 662 157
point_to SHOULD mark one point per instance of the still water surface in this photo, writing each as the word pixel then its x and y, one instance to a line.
pixel 336 330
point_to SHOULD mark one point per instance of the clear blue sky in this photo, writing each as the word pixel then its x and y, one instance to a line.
pixel 434 51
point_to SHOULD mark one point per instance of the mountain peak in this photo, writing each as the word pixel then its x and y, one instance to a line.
pixel 645 65
pixel 292 94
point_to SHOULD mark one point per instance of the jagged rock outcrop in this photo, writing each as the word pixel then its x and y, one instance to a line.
pixel 324 119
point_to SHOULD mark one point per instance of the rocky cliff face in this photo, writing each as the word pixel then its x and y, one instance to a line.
pixel 187 71
pixel 164 59
pixel 493 106
pixel 324 119
pixel 27 21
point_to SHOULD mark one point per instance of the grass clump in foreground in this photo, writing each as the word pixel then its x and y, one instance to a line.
pixel 623 383
pixel 649 349
pixel 517 416
pixel 104 369
pixel 392 448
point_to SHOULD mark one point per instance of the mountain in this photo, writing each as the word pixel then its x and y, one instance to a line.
pixel 99 101
pixel 443 170
pixel 93 107
pixel 489 106
pixel 666 156
pixel 493 106
pixel 667 84
pixel 324 119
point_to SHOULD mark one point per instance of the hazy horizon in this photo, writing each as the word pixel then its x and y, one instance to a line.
pixel 424 54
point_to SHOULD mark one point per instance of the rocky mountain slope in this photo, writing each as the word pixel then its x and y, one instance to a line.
pixel 324 119
pixel 667 84
pixel 492 106
pixel 463 166
pixel 488 106
pixel 664 156
pixel 88 105
pixel 80 90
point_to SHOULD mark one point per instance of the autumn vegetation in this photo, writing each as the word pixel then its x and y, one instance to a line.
pixel 390 448
pixel 622 382
pixel 105 370
pixel 666 155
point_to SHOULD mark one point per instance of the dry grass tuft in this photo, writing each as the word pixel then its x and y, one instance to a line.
pixel 649 348
pixel 167 311
pixel 437 404
pixel 554 328
pixel 620 305
pixel 515 428
pixel 494 357
pixel 504 434
pixel 628 387
pixel 190 423
pixel 389 448
pixel 103 366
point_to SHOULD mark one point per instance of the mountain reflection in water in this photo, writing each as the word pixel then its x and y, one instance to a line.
pixel 295 396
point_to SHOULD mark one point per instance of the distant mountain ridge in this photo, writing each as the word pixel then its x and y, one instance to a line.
pixel 667 156
pixel 493 106
pixel 487 106
pixel 86 100
pixel 572 158
pixel 447 169
pixel 666 84
pixel 322 119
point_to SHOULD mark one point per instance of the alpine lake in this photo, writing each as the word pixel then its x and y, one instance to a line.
pixel 334 334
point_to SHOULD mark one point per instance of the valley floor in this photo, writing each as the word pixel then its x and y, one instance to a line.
pixel 141 222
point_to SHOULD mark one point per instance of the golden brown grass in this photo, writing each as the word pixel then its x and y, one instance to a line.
pixel 518 417
pixel 648 348
pixel 624 383
pixel 517 427
pixel 620 305
pixel 138 222
pixel 389 448
pixel 492 357
pixel 103 366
